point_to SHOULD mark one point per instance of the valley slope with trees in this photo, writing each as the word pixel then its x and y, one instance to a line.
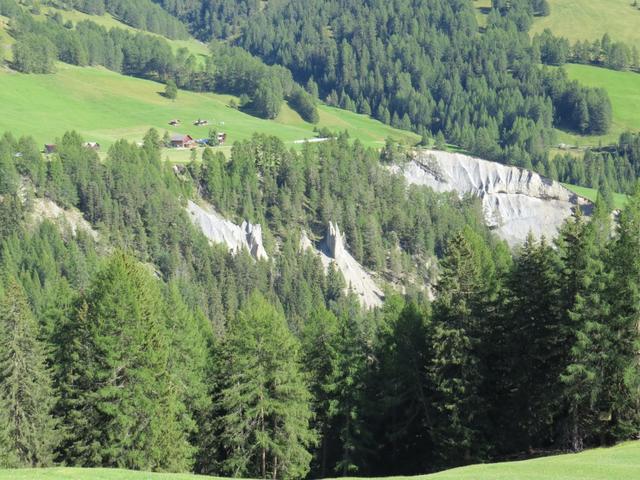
pixel 130 340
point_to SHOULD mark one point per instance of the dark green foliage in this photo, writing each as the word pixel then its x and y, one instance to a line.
pixel 124 410
pixel 265 428
pixel 538 337
pixel 163 358
pixel 585 280
pixel 614 167
pixel 219 19
pixel 604 53
pixel 171 90
pixel 141 14
pixel 34 54
pixel 268 98
pixel 454 368
pixel 26 394
pixel 623 375
pixel 303 103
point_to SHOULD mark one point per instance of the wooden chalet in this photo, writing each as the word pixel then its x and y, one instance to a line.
pixel 182 141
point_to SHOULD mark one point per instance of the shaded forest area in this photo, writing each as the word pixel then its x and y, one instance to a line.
pixel 151 349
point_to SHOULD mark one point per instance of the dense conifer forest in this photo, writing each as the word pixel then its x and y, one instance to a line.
pixel 145 347
pixel 421 65
pixel 129 340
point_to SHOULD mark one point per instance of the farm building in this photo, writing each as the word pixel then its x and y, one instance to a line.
pixel 182 141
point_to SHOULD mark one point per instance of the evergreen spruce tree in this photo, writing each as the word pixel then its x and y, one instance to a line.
pixel 119 403
pixel 536 344
pixel 623 374
pixel 265 430
pixel 320 338
pixel 26 394
pixel 586 279
pixel 455 369
pixel 405 447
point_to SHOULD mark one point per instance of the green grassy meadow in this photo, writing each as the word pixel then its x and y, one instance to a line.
pixel 619 199
pixel 616 463
pixel 482 7
pixel 591 19
pixel 624 92
pixel 104 106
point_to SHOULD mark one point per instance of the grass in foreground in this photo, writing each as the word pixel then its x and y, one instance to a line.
pixel 619 199
pixel 616 463
pixel 104 106
pixel 624 92
pixel 591 19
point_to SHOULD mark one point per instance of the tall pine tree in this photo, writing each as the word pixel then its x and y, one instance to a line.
pixel 26 394
pixel 120 405
pixel 265 430
pixel 455 369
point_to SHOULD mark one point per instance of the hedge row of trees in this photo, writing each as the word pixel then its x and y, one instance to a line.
pixel 179 356
pixel 604 52
pixel 614 168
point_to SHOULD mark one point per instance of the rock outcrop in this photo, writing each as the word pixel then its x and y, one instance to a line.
pixel 43 208
pixel 220 230
pixel 514 201
pixel 332 251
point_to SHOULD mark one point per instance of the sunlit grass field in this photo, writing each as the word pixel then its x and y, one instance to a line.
pixel 619 199
pixel 616 463
pixel 104 106
pixel 624 92
pixel 591 19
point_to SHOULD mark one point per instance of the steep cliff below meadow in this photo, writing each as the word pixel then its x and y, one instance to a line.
pixel 219 230
pixel 514 201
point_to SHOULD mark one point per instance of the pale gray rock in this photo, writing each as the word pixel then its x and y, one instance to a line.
pixel 514 201
pixel 220 230
pixel 332 250
pixel 45 209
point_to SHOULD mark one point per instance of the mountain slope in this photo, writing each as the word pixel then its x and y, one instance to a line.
pixel 104 106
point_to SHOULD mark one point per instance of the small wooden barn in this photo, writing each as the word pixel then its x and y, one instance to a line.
pixel 182 141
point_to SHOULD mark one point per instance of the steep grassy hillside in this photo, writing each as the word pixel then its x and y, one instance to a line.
pixel 616 463
pixel 104 106
pixel 624 91
pixel 591 19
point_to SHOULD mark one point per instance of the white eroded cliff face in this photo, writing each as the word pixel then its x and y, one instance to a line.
pixel 332 250
pixel 515 201
pixel 219 230
pixel 43 208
